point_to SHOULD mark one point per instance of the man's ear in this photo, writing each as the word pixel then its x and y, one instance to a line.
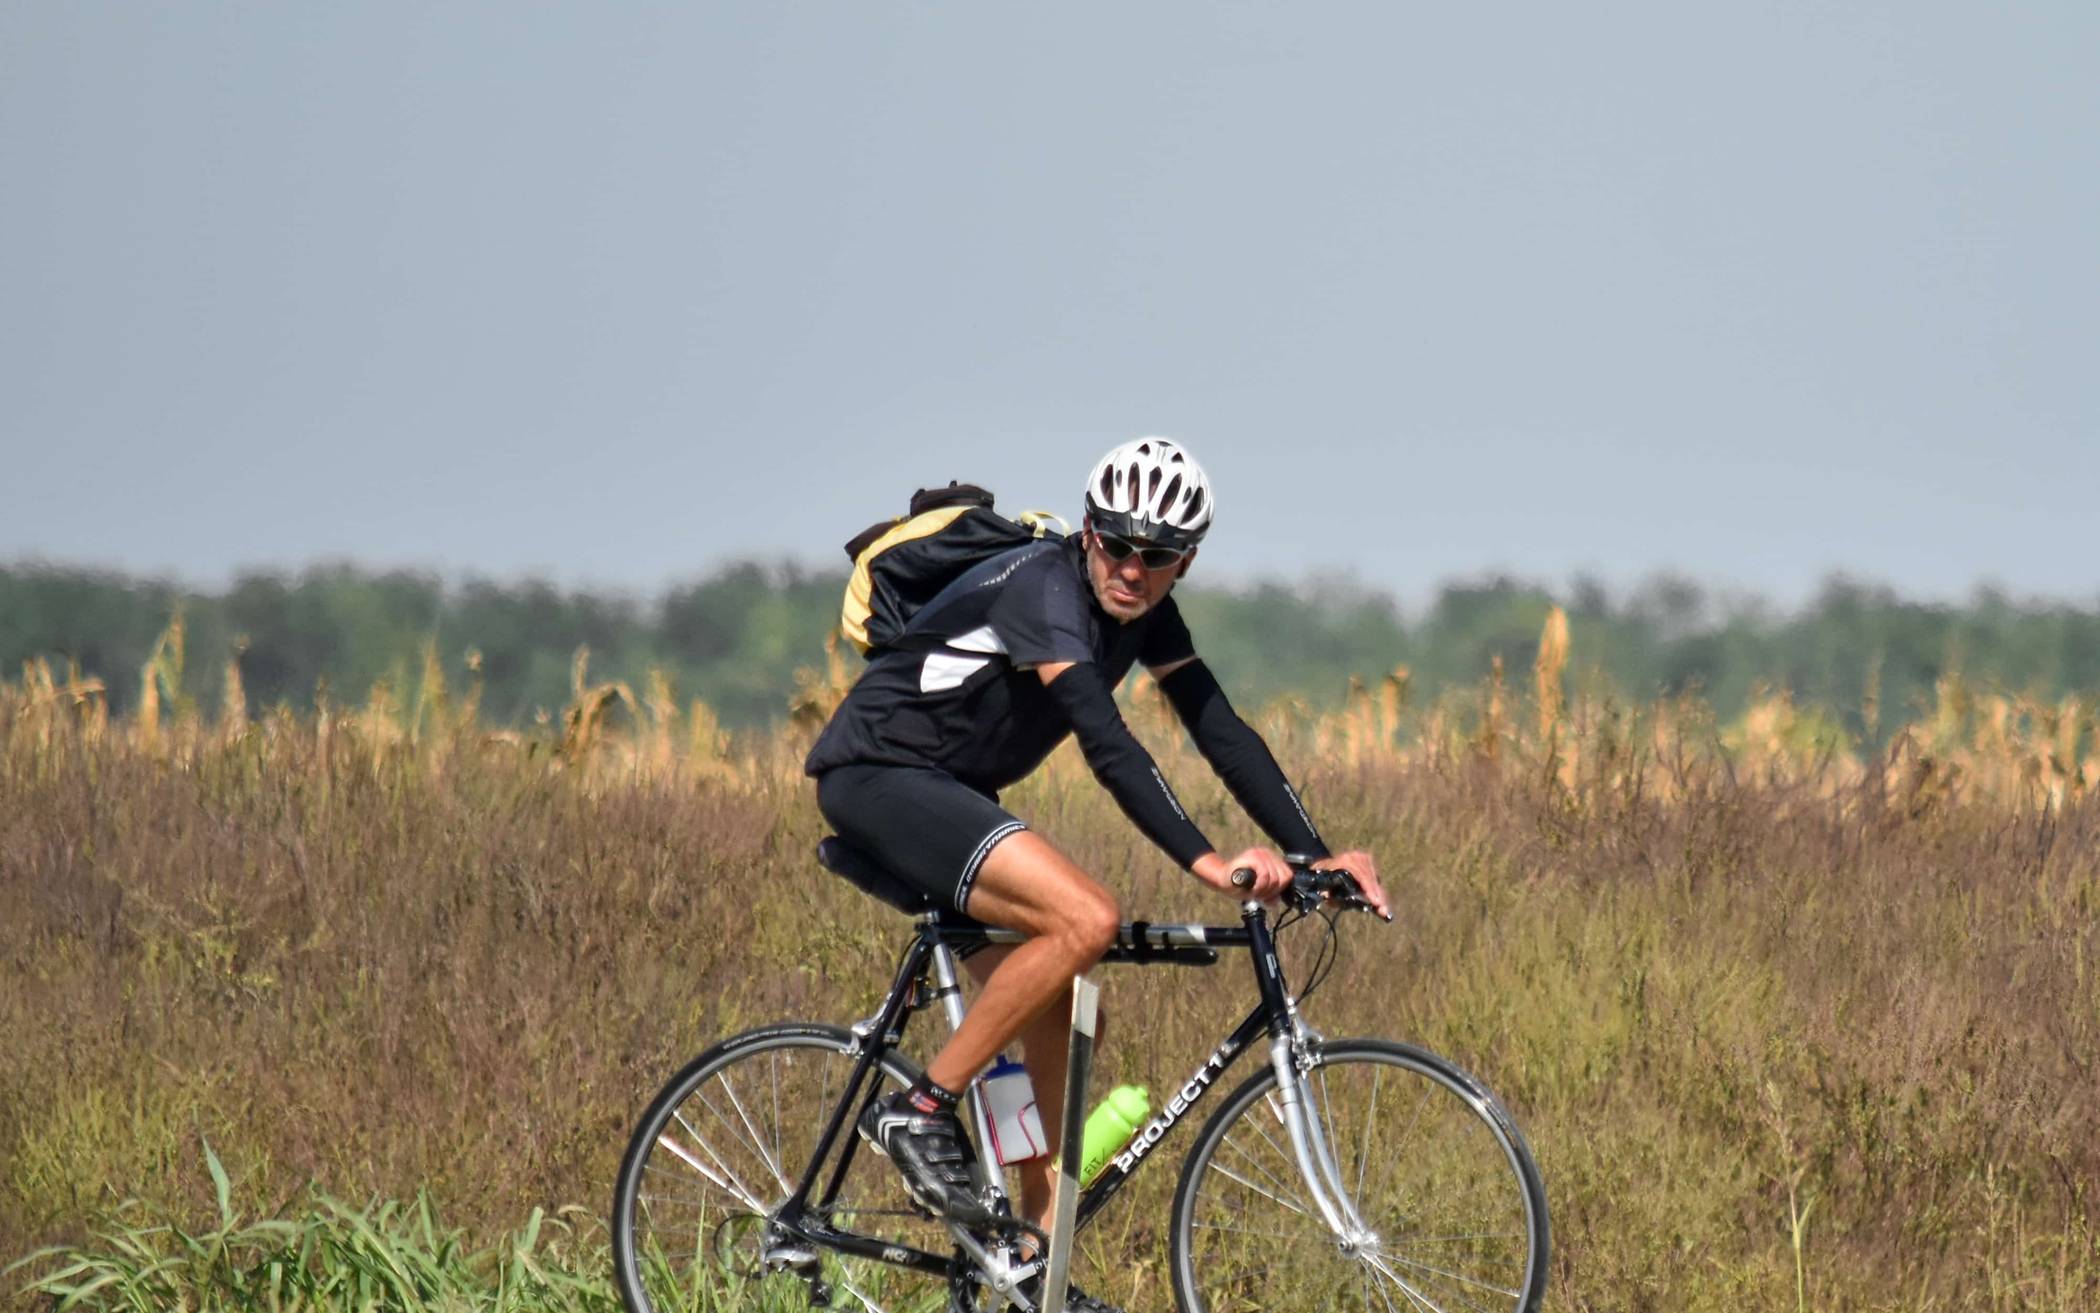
pixel 1186 561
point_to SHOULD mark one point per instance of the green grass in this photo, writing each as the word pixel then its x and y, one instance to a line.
pixel 320 1253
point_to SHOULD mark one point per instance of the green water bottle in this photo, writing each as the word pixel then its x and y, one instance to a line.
pixel 1110 1126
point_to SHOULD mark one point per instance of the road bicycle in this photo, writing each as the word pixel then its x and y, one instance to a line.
pixel 1341 1174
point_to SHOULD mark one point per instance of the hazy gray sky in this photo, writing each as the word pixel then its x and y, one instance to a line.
pixel 617 292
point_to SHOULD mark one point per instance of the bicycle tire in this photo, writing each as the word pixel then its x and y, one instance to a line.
pixel 750 1109
pixel 1455 1203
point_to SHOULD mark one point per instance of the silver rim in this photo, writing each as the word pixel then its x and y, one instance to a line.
pixel 726 1154
pixel 1453 1217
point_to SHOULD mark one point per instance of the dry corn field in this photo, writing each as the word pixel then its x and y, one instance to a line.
pixel 1790 1025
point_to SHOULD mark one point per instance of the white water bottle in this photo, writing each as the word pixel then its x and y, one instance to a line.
pixel 1009 1100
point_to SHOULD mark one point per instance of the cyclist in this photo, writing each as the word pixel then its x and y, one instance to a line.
pixel 1027 648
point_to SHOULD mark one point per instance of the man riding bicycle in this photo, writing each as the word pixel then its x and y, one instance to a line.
pixel 1025 649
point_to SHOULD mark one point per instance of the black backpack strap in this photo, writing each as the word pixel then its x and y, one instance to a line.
pixel 861 541
pixel 955 494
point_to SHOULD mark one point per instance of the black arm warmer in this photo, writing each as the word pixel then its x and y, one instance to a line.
pixel 1241 759
pixel 1123 766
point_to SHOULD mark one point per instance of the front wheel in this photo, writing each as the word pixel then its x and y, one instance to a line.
pixel 1448 1210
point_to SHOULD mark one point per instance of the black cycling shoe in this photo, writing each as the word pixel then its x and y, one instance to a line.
pixel 934 1155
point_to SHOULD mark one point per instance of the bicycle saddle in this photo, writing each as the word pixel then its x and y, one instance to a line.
pixel 871 877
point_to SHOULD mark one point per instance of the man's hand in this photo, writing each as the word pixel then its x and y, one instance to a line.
pixel 1272 875
pixel 1365 868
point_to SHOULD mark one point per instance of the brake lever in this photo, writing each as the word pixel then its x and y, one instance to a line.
pixel 1342 889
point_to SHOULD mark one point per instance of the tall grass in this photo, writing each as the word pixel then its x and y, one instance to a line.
pixel 1790 1025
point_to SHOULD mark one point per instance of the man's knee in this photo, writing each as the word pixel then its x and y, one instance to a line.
pixel 1087 919
pixel 1095 920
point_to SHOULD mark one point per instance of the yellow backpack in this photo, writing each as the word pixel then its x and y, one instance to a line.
pixel 900 564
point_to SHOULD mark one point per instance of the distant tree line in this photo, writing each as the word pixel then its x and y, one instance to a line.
pixel 737 637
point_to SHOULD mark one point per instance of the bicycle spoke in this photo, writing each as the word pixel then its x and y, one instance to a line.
pixel 1377 1289
pixel 1265 1232
pixel 1456 1293
pixel 1420 1104
pixel 1414 1296
pixel 1454 1276
pixel 1289 1158
pixel 773 1071
pixel 757 1140
pixel 1251 1162
pixel 1363 1153
pixel 733 1183
pixel 1297 1208
pixel 656 1198
pixel 746 1136
pixel 726 1179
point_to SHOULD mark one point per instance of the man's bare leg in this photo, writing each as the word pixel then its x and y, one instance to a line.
pixel 1045 1045
pixel 1070 919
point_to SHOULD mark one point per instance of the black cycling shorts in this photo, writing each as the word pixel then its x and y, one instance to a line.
pixel 929 828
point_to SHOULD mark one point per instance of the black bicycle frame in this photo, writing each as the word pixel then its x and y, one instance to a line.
pixel 1137 942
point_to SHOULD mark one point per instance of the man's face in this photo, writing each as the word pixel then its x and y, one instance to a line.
pixel 1127 589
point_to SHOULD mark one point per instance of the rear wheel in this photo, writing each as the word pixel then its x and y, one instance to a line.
pixel 722 1146
pixel 1453 1213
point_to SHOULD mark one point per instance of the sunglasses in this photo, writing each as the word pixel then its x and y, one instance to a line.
pixel 1120 550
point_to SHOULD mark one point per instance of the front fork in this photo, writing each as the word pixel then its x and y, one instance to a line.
pixel 1294 1056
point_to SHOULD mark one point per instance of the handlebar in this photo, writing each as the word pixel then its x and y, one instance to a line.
pixel 1309 887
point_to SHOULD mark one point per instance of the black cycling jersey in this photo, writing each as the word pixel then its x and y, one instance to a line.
pixel 958 693
pixel 959 690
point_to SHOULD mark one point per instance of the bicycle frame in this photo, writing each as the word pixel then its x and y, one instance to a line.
pixel 927 973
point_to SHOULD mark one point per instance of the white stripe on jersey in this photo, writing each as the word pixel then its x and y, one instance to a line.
pixel 944 670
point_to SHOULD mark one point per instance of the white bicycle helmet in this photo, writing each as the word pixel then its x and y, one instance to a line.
pixel 1150 489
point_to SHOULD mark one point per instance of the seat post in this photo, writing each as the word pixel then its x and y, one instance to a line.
pixel 947 986
pixel 947 983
